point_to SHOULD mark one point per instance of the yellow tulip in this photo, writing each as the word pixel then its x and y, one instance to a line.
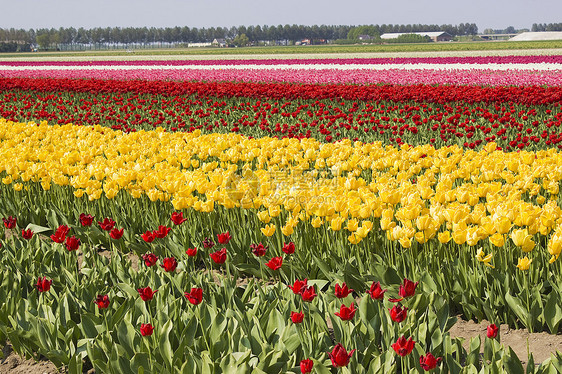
pixel 519 236
pixel 524 263
pixel 387 224
pixel 354 239
pixel 420 237
pixel 554 245
pixel 444 237
pixel 497 239
pixel 264 216
pixel 405 242
pixel 362 231
pixel 352 225
pixel 424 222
pixel 316 222
pixel 459 237
pixel 268 230
pixel 287 230
pixel 502 224
pixel 481 257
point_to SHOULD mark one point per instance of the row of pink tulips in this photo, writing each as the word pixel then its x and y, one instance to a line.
pixel 553 59
pixel 353 76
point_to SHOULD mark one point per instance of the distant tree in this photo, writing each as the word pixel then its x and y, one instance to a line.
pixel 241 40
pixel 410 38
pixel 354 33
pixel 44 40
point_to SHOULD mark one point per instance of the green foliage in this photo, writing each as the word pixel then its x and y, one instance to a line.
pixel 318 49
pixel 239 327
pixel 409 38
pixel 354 33
pixel 241 40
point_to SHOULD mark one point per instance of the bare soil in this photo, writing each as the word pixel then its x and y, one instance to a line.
pixel 13 363
pixel 540 344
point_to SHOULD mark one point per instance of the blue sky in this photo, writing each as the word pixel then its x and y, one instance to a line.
pixel 497 14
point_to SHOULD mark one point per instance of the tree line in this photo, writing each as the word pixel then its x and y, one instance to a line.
pixel 546 27
pixel 145 35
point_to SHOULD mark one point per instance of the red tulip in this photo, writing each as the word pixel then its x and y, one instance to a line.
pixel 403 347
pixel 43 285
pixel 169 264
pixel 219 257
pixel 116 233
pixel 102 301
pixel 148 237
pixel 149 259
pixel 297 317
pixel 398 314
pixel 146 294
pixel 26 234
pixel 195 296
pixel 275 263
pixel 191 252
pixel 492 331
pixel 308 293
pixel 60 234
pixel 258 250
pixel 339 356
pixel 407 288
pixel 72 243
pixel 107 224
pixel 376 291
pixel 224 238
pixel 86 219
pixel 10 222
pixel 146 329
pixel 177 218
pixel 298 286
pixel 346 313
pixel 342 291
pixel 208 243
pixel 306 366
pixel 289 248
pixel 162 231
pixel 429 362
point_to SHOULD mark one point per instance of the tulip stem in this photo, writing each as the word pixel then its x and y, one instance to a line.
pixel 148 349
pixel 527 287
pixel 198 315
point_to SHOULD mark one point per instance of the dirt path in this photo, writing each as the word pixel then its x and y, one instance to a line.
pixel 540 344
pixel 13 363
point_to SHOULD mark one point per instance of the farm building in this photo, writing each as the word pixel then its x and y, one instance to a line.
pixel 539 35
pixel 219 42
pixel 436 36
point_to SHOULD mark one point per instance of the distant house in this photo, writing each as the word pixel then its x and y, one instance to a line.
pixel 198 45
pixel 436 36
pixel 365 37
pixel 219 43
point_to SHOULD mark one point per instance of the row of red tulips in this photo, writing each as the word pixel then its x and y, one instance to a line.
pixel 531 95
pixel 511 126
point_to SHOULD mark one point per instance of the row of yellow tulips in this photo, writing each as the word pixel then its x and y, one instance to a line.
pixel 412 193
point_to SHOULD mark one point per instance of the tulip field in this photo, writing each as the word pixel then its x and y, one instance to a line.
pixel 280 215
